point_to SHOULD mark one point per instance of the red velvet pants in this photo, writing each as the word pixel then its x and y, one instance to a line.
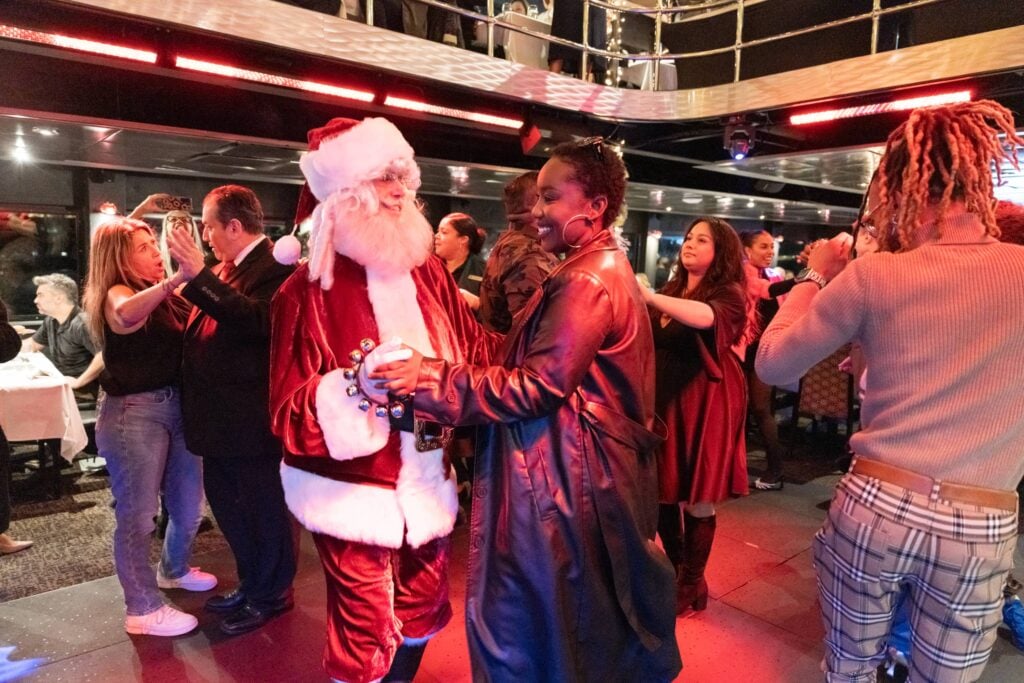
pixel 378 596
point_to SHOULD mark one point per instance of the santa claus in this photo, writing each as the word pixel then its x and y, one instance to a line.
pixel 370 482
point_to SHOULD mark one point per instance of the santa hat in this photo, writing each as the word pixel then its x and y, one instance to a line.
pixel 343 155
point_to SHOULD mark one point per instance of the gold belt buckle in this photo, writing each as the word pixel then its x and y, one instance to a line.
pixel 431 442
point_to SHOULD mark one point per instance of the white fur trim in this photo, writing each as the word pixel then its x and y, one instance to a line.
pixel 356 155
pixel 348 431
pixel 396 309
pixel 424 505
pixel 353 512
pixel 429 500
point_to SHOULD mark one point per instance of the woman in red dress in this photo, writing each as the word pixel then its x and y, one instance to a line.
pixel 701 394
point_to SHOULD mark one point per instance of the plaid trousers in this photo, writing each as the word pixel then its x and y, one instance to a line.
pixel 949 559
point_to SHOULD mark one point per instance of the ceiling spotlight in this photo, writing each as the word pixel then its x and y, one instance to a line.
pixel 739 145
pixel 739 138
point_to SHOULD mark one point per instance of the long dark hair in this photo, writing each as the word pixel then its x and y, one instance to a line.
pixel 726 267
pixel 598 170
pixel 725 272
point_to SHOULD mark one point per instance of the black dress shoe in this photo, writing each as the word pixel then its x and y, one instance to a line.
pixel 249 617
pixel 229 602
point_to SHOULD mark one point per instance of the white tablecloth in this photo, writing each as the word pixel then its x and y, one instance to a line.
pixel 36 403
pixel 520 47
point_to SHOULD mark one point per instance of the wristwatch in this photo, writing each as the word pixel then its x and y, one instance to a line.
pixel 811 275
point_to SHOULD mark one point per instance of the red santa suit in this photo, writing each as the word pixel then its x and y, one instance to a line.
pixel 380 510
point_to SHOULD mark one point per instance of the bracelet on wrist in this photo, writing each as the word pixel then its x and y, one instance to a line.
pixel 396 408
pixel 811 275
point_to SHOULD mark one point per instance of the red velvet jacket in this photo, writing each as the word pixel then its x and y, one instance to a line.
pixel 314 331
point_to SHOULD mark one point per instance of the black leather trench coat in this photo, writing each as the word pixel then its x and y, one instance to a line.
pixel 566 583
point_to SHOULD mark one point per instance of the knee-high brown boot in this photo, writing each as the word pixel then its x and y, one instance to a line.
pixel 698 535
pixel 670 529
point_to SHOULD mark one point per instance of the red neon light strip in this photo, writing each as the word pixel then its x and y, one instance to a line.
pixel 415 105
pixel 270 79
pixel 881 107
pixel 57 40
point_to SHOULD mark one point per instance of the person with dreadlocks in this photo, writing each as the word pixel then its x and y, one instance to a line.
pixel 927 512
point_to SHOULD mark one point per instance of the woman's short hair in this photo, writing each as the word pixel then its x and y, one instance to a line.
pixel 598 170
pixel 60 282
pixel 518 192
pixel 465 226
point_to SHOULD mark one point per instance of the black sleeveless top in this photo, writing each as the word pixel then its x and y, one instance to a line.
pixel 150 357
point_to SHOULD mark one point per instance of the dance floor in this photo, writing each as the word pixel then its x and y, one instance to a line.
pixel 762 624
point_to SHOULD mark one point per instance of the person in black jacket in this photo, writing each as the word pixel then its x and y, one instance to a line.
pixel 225 381
pixel 10 344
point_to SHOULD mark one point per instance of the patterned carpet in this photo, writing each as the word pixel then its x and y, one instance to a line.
pixel 73 537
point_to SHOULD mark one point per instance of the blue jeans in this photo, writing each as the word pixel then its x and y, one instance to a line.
pixel 142 438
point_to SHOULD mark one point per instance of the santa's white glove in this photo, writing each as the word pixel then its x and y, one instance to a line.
pixel 388 352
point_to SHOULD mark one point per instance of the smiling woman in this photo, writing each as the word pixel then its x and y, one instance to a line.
pixel 567 414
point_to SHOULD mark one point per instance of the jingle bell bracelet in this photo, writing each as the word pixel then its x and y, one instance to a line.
pixel 380 408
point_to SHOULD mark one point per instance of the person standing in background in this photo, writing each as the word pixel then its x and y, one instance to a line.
pixel 225 386
pixel 458 242
pixel 768 287
pixel 698 318
pixel 517 264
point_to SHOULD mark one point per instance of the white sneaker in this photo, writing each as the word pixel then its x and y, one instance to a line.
pixel 165 621
pixel 195 580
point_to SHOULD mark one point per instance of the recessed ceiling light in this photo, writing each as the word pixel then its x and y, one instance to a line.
pixel 690 199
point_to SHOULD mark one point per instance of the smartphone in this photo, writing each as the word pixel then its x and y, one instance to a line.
pixel 174 204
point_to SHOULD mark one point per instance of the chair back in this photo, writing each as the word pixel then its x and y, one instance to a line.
pixel 826 391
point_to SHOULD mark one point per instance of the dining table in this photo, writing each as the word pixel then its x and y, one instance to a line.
pixel 38 404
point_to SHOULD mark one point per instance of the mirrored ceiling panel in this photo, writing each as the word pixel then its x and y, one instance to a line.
pixel 848 170
pixel 39 139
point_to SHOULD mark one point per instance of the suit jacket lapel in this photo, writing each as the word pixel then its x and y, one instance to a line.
pixel 258 252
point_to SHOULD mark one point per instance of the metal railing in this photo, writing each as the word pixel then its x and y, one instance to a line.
pixel 664 14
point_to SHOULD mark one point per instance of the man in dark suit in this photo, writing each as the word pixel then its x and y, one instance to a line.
pixel 225 382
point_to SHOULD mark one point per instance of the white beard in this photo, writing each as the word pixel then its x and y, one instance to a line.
pixel 384 241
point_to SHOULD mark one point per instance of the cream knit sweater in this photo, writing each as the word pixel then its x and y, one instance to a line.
pixel 942 328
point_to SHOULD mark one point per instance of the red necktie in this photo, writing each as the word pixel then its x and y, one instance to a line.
pixel 226 269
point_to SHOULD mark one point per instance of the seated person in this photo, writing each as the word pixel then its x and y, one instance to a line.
pixel 64 337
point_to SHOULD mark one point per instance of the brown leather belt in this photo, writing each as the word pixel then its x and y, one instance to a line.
pixel 948 490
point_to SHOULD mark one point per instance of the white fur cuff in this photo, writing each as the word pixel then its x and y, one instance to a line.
pixel 348 431
pixel 429 500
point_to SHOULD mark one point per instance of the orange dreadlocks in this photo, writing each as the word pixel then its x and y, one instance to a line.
pixel 942 155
